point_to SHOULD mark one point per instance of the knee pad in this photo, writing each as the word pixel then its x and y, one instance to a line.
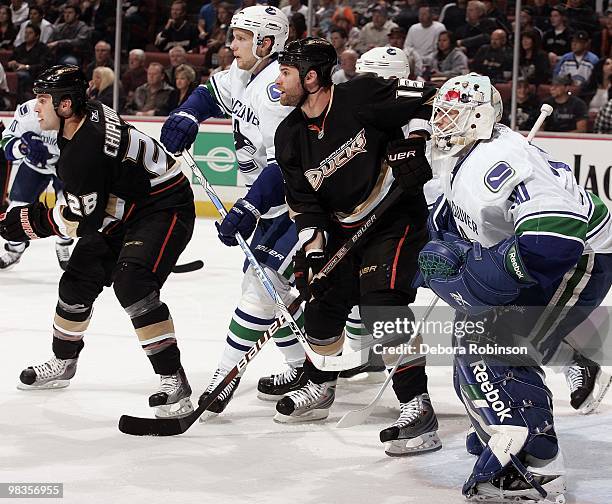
pixel 132 282
pixel 511 411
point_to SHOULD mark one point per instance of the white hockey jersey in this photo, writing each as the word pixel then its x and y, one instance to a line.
pixel 505 186
pixel 25 119
pixel 253 103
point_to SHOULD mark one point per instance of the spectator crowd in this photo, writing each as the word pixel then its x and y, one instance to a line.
pixel 171 46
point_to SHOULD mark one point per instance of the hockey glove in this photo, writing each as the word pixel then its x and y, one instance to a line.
pixel 410 167
pixel 242 218
pixel 27 223
pixel 34 149
pixel 305 266
pixel 179 132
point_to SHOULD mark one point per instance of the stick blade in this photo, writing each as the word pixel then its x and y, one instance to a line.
pixel 188 267
pixel 355 417
pixel 138 426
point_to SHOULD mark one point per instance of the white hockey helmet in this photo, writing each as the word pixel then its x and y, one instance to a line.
pixel 386 62
pixel 263 21
pixel 466 108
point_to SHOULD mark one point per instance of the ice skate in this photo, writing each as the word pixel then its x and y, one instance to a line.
pixel 512 488
pixel 172 398
pixel 414 431
pixel 12 254
pixel 62 251
pixel 222 400
pixel 276 386
pixel 55 373
pixel 588 384
pixel 311 402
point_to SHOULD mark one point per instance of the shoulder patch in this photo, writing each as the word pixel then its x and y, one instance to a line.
pixel 498 175
pixel 274 93
pixel 23 109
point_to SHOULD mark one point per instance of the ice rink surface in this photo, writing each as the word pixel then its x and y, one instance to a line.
pixel 71 435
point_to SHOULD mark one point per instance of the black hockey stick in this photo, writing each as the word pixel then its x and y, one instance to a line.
pixel 188 267
pixel 138 426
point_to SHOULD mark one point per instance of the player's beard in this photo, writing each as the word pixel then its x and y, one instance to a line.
pixel 293 99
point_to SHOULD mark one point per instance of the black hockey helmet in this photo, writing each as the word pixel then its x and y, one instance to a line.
pixel 63 81
pixel 311 53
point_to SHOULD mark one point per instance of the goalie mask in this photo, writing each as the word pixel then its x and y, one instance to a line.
pixel 386 62
pixel 466 109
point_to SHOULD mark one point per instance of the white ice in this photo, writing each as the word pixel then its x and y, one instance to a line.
pixel 71 435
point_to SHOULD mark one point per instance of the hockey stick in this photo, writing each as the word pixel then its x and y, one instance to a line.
pixel 357 417
pixel 138 426
pixel 545 111
pixel 347 360
pixel 188 267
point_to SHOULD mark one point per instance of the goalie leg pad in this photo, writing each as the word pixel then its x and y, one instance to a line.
pixel 511 410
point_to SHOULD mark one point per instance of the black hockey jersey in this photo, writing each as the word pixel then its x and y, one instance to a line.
pixel 334 165
pixel 113 172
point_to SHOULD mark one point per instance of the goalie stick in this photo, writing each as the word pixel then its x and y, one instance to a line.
pixel 347 360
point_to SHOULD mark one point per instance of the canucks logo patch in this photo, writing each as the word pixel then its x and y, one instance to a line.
pixel 498 175
pixel 273 92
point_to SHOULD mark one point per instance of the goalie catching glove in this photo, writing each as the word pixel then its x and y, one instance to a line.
pixel 28 222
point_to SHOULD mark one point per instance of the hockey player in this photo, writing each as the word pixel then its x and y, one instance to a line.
pixel 331 150
pixel 35 152
pixel 247 93
pixel 133 209
pixel 513 228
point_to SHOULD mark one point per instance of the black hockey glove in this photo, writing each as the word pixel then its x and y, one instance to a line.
pixel 410 167
pixel 305 267
pixel 26 223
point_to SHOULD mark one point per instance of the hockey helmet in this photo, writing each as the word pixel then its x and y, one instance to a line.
pixel 63 81
pixel 263 21
pixel 465 109
pixel 311 53
pixel 386 62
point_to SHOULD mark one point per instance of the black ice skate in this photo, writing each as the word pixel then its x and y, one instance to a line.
pixel 172 398
pixel 12 254
pixel 222 400
pixel 311 402
pixel 276 386
pixel 55 373
pixel 62 251
pixel 587 383
pixel 414 431
pixel 512 488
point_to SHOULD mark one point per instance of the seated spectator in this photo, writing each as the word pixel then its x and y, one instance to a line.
pixel 397 38
pixel 71 39
pixel 533 62
pixel 527 20
pixel 557 40
pixel 409 14
pixel 297 27
pixel 5 102
pixel 153 98
pixel 177 31
pixel 602 45
pixel 19 12
pixel 294 7
pixel 495 59
pixel 423 36
pixel 28 60
pixel 569 112
pixel 95 14
pixel 102 58
pixel 497 16
pixel 374 33
pixel 348 62
pixel 225 58
pixel 541 15
pixel 449 61
pixel 477 31
pixel 185 83
pixel 206 20
pixel 177 56
pixel 601 85
pixel 603 121
pixel 218 37
pixel 136 74
pixel 102 85
pixel 578 63
pixel 36 17
pixel 344 18
pixel 338 38
pixel 527 106
pixel 453 15
pixel 324 14
pixel 581 17
pixel 8 32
